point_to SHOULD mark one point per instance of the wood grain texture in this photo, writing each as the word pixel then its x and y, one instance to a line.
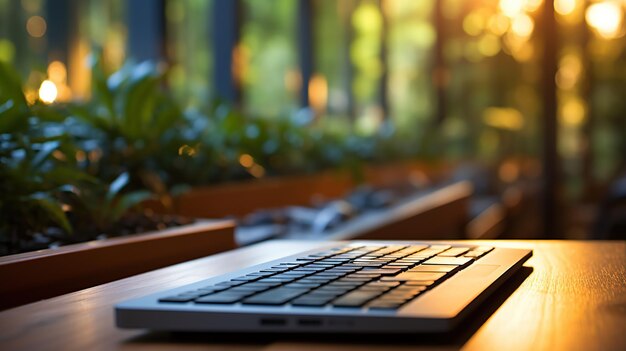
pixel 570 296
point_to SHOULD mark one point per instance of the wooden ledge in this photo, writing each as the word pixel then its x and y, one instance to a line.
pixel 42 274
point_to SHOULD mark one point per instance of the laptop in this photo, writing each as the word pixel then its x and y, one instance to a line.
pixel 338 287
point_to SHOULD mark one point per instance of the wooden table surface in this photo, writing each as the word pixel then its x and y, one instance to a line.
pixel 568 296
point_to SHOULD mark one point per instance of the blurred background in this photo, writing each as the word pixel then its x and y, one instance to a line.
pixel 504 92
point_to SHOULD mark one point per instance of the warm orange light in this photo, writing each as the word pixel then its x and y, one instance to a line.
pixel 498 24
pixel 31 96
pixel 57 72
pixel 532 5
pixel 503 118
pixel 489 45
pixel 473 24
pixel 257 171
pixel 520 48
pixel 246 160
pixel 512 8
pixel 573 112
pixel 564 7
pixel 522 26
pixel 186 150
pixel 605 18
pixel 509 171
pixel 570 68
pixel 318 93
pixel 240 61
pixel 47 92
pixel 36 26
pixel 80 156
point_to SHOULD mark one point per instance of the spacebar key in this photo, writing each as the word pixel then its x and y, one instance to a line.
pixel 277 296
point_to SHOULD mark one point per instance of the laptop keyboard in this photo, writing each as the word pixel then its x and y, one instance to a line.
pixel 376 277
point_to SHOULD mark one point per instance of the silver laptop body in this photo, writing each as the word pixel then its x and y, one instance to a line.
pixel 438 308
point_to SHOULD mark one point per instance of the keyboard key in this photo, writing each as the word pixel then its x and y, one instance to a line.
pixel 421 276
pixel 384 305
pixel 275 280
pixel 401 265
pixel 264 284
pixel 412 290
pixel 335 287
pixel 355 299
pixel 290 264
pixel 388 284
pixel 251 288
pixel 454 252
pixel 275 269
pixel 290 275
pixel 420 283
pixel 307 259
pixel 312 302
pixel 369 264
pixel 434 268
pixel 347 283
pixel 456 261
pixel 260 274
pixel 474 254
pixel 229 283
pixel 245 278
pixel 242 292
pixel 276 296
pixel 357 279
pixel 330 274
pixel 390 271
pixel 220 298
pixel 298 284
pixel 324 294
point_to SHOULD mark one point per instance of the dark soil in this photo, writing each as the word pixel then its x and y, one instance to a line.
pixel 132 223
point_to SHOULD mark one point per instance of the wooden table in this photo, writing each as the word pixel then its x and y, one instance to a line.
pixel 568 296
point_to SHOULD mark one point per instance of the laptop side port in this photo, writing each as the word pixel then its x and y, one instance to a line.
pixel 310 322
pixel 274 322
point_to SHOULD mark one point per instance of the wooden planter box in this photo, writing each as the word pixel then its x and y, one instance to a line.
pixel 241 198
pixel 438 215
pixel 46 273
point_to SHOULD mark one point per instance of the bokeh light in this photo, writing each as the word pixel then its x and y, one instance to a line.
pixel 48 92
pixel 522 26
pixel 36 26
pixel 564 7
pixel 57 72
pixel 605 18
pixel 512 8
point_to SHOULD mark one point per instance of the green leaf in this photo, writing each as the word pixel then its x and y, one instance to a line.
pixel 43 154
pixel 11 120
pixel 11 85
pixel 116 186
pixel 128 201
pixel 54 210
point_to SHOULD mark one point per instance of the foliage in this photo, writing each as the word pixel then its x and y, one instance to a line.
pixel 46 195
pixel 33 166
pixel 82 167
pixel 96 207
pixel 131 124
